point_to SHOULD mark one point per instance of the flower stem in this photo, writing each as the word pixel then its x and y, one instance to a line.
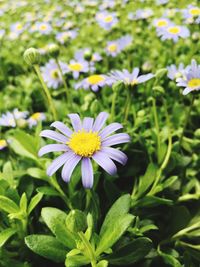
pixel 64 83
pixel 186 120
pixel 127 105
pixel 46 92
pixel 113 105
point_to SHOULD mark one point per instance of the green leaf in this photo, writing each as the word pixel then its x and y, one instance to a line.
pixel 76 261
pixel 146 181
pixel 131 252
pixel 34 201
pixel 152 201
pixel 8 205
pixel 169 259
pixel 102 263
pixel 23 203
pixel 47 190
pixel 55 220
pixel 37 173
pixel 120 207
pixel 112 232
pixel 5 235
pixel 46 246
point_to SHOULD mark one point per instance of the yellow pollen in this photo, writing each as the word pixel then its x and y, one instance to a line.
pixel 162 23
pixel 3 143
pixel 95 79
pixel 173 30
pixel 75 66
pixel 112 47
pixel 43 27
pixel 84 144
pixel 108 19
pixel 36 116
pixel 54 74
pixel 194 11
pixel 194 83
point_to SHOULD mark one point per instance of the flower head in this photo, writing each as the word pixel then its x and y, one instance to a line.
pixel 35 118
pixel 106 19
pixel 113 48
pixel 93 81
pixel 191 81
pixel 88 141
pixel 128 78
pixel 176 72
pixel 3 144
pixel 173 32
pixel 192 14
pixel 161 22
pixel 10 119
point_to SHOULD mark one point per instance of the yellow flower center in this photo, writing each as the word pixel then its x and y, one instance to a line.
pixel 95 79
pixel 194 83
pixel 55 74
pixel 162 23
pixel 75 66
pixel 194 11
pixel 174 30
pixel 84 144
pixel 43 27
pixel 108 19
pixel 134 82
pixel 19 27
pixel 112 47
pixel 36 116
pixel 3 143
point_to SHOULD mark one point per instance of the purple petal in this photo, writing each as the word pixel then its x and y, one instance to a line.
pixel 105 162
pixel 187 90
pixel 54 136
pixel 100 121
pixel 69 167
pixel 115 154
pixel 87 173
pixel 116 139
pixel 62 128
pixel 110 129
pixel 57 163
pixel 144 78
pixel 88 123
pixel 76 121
pixel 52 148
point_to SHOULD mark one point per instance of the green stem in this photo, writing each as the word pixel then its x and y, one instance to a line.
pixel 167 155
pixel 155 115
pixel 64 83
pixel 186 120
pixel 113 105
pixel 46 91
pixel 127 105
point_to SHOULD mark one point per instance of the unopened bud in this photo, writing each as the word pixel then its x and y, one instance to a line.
pixel 32 56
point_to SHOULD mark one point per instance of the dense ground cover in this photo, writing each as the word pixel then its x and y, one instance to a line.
pixel 112 89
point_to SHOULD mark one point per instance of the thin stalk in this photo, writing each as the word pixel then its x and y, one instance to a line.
pixel 127 105
pixel 46 92
pixel 113 105
pixel 155 115
pixel 64 83
pixel 186 120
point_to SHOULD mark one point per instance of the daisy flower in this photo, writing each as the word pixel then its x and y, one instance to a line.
pixel 9 119
pixel 77 66
pixel 44 28
pixel 88 141
pixel 17 28
pixel 176 72
pixel 35 118
pixel 128 78
pixel 106 20
pixel 191 81
pixel 192 14
pixel 140 14
pixel 62 37
pixel 94 82
pixel 113 48
pixel 173 32
pixel 3 144
pixel 51 73
pixel 161 22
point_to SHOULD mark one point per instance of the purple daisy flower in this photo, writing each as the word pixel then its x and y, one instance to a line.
pixel 176 72
pixel 35 118
pixel 77 66
pixel 94 82
pixel 161 22
pixel 192 14
pixel 191 81
pixel 88 141
pixel 3 144
pixel 106 19
pixel 9 119
pixel 17 28
pixel 141 14
pixel 113 48
pixel 173 32
pixel 44 28
pixel 129 78
pixel 51 73
pixel 62 37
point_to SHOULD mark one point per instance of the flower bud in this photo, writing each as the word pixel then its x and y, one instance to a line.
pixel 76 221
pixel 160 73
pixel 32 56
pixel 54 50
pixel 88 55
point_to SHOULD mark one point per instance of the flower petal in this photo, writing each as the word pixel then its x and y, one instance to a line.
pixel 88 123
pixel 116 139
pixel 100 121
pixel 54 136
pixel 110 129
pixel 62 128
pixel 187 90
pixel 69 167
pixel 105 162
pixel 76 121
pixel 57 163
pixel 115 154
pixel 52 148
pixel 87 173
